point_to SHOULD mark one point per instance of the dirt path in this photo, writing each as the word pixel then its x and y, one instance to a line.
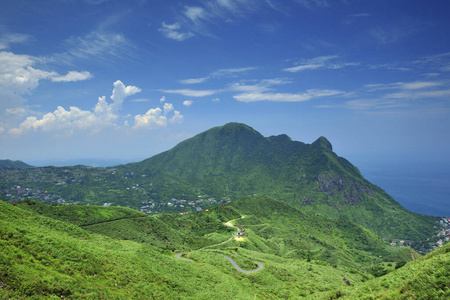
pixel 235 265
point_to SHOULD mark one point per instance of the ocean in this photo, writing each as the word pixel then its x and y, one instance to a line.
pixel 421 187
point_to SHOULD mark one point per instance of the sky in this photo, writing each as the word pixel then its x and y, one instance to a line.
pixel 110 79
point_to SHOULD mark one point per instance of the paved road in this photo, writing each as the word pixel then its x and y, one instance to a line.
pixel 179 256
pixel 260 265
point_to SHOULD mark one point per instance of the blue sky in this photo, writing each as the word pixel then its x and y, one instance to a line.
pixel 129 79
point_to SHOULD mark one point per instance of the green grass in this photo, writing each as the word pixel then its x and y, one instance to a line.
pixel 125 256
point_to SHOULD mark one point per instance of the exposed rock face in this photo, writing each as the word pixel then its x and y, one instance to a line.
pixel 335 186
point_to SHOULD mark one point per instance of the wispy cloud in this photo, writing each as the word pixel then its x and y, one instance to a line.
pixel 399 97
pixel 72 76
pixel 7 39
pixel 194 80
pixel 195 14
pixel 439 62
pixel 187 103
pixel 312 4
pixel 321 62
pixel 96 46
pixel 286 97
pixel 191 93
pixel 217 74
pixel 402 85
pixel 172 31
pixel 350 19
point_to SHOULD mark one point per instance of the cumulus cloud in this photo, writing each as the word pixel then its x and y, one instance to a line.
pixel 157 117
pixel 177 117
pixel 163 98
pixel 172 31
pixel 187 103
pixel 168 107
pixel 152 119
pixel 18 78
pixel 62 120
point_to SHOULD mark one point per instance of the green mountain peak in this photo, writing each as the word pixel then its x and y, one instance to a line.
pixel 323 143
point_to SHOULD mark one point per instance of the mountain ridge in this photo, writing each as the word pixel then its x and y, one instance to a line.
pixel 236 160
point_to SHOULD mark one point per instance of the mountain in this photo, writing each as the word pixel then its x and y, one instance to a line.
pixel 235 160
pixel 222 164
pixel 13 164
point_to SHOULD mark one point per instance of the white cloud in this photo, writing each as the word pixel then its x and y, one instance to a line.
pixel 60 120
pixel 195 13
pixel 152 119
pixel 168 107
pixel 67 121
pixel 177 118
pixel 311 4
pixel 439 62
pixel 187 103
pixel 231 71
pixel 17 74
pixel 286 97
pixel 163 98
pixel 191 93
pixel 72 76
pixel 16 111
pixel 259 86
pixel 217 74
pixel 194 80
pixel 12 38
pixel 215 100
pixel 172 31
pixel 321 62
pixel 403 85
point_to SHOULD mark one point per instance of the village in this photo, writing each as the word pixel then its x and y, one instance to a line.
pixel 182 206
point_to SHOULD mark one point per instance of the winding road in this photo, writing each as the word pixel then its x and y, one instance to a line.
pixel 235 265
pixel 179 256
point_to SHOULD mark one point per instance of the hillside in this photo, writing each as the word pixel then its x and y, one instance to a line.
pixel 44 257
pixel 235 160
pixel 13 164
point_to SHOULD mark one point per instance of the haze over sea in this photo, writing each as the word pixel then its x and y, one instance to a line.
pixel 421 187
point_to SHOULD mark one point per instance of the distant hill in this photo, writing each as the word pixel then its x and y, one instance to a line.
pixel 235 160
pixel 13 164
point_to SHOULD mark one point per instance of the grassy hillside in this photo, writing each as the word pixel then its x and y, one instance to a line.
pixel 45 258
pixel 425 278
